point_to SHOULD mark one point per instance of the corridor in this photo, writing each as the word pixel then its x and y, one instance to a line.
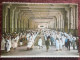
pixel 55 25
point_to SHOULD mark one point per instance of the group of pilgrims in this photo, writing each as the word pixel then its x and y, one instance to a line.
pixel 51 37
pixel 60 40
pixel 11 42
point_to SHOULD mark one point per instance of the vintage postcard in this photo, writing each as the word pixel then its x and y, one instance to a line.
pixel 39 30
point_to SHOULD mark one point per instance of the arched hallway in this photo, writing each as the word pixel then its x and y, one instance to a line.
pixel 25 23
pixel 22 16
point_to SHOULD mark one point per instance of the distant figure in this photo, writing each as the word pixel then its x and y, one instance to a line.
pixel 8 45
pixel 45 37
pixel 40 42
pixel 68 44
pixel 77 43
pixel 30 43
pixel 60 43
pixel 74 42
pixel 3 43
pixel 21 42
pixel 52 39
pixel 57 44
pixel 47 42
pixel 63 39
pixel 15 44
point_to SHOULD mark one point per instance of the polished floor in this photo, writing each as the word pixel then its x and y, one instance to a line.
pixel 36 52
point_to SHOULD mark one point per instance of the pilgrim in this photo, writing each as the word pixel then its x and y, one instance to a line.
pixel 40 42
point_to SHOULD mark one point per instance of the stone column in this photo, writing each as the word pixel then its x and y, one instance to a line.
pixel 68 18
pixel 4 18
pixel 61 22
pixel 56 24
pixel 12 19
pixel 53 24
pixel 21 23
pixel 7 19
pixel 72 19
pixel 19 26
pixel 18 21
pixel 76 20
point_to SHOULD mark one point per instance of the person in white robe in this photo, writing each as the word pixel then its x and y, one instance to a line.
pixel 30 43
pixel 17 38
pixel 33 37
pixel 40 42
pixel 45 37
pixel 63 39
pixel 57 41
pixel 74 42
pixel 10 41
pixel 15 44
pixel 21 41
pixel 8 45
pixel 3 43
pixel 60 43
pixel 27 36
pixel 57 44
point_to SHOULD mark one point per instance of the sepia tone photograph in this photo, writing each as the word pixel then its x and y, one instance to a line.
pixel 39 30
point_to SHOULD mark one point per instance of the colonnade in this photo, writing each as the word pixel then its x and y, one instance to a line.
pixel 16 20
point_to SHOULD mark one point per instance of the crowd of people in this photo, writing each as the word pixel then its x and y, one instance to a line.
pixel 11 42
pixel 60 39
pixel 51 37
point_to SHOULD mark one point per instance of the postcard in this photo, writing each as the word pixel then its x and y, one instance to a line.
pixel 39 30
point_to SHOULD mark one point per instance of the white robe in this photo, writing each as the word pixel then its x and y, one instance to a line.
pixel 8 45
pixel 17 38
pixel 40 42
pixel 30 42
pixel 57 44
pixel 14 44
pixel 10 42
pixel 60 44
pixel 3 44
pixel 63 39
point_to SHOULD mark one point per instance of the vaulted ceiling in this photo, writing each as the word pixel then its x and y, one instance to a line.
pixel 34 11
